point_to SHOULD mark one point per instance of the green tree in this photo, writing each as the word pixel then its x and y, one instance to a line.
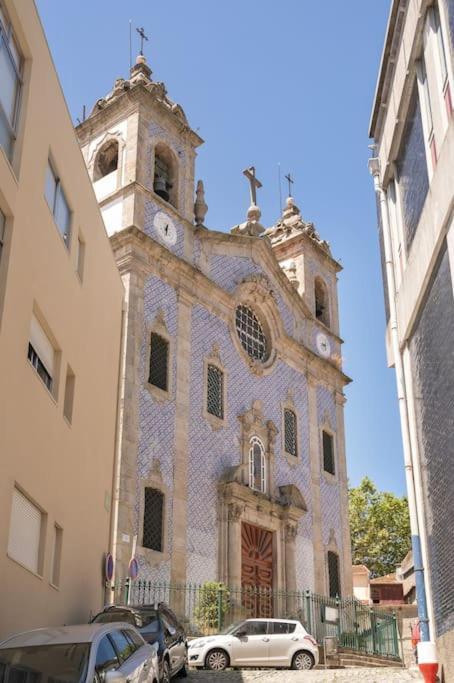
pixel 379 527
pixel 213 601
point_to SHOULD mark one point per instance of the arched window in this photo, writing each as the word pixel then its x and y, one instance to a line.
pixel 257 465
pixel 321 301
pixel 165 181
pixel 106 160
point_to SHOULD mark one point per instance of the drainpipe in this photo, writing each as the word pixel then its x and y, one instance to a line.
pixel 374 169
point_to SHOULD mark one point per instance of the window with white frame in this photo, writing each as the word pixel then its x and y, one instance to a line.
pixel 427 109
pixel 58 204
pixel 41 353
pixel 290 432
pixel 25 532
pixel 11 64
pixel 434 13
pixel 257 465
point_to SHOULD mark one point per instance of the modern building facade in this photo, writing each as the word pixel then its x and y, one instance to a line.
pixel 413 129
pixel 233 449
pixel 60 332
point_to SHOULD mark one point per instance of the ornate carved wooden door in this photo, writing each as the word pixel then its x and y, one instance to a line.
pixel 257 570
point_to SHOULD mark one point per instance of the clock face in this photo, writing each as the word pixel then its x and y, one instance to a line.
pixel 323 345
pixel 165 228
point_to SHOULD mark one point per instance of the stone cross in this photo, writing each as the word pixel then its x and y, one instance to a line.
pixel 290 180
pixel 143 37
pixel 253 182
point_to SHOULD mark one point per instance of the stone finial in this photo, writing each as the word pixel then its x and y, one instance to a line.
pixel 251 226
pixel 200 205
pixel 141 67
pixel 291 208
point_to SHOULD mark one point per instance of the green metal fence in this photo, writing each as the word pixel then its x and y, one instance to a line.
pixel 211 607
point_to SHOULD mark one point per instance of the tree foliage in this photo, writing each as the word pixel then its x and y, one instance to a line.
pixel 379 527
pixel 212 604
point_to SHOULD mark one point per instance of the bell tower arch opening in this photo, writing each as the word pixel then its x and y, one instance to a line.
pixel 165 174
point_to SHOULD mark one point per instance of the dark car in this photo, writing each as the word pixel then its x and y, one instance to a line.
pixel 157 624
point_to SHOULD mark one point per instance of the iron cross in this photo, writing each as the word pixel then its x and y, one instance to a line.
pixel 253 182
pixel 141 32
pixel 290 180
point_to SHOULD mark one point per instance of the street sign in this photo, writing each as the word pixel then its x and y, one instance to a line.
pixel 133 568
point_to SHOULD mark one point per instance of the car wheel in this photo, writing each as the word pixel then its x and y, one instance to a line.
pixel 303 661
pixel 165 678
pixel 183 672
pixel 217 660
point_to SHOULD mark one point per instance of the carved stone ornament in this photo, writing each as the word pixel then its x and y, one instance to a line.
pixel 290 495
pixel 291 532
pixel 234 512
pixel 291 222
pixel 160 320
pixel 251 227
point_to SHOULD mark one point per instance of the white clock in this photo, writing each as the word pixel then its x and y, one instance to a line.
pixel 323 345
pixel 165 228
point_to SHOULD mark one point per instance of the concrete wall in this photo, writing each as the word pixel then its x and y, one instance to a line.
pixel 65 468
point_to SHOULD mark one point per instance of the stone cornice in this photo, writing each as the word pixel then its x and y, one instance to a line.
pixel 294 240
pixel 134 249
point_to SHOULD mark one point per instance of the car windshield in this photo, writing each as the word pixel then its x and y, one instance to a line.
pixel 66 663
pixel 112 616
pixel 233 627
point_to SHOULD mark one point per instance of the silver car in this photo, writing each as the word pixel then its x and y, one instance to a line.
pixel 93 653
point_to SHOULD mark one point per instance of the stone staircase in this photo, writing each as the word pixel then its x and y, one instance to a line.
pixel 352 659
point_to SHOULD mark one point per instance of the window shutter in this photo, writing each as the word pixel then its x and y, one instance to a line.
pixel 215 391
pixel 153 517
pixel 41 344
pixel 24 531
pixel 333 573
pixel 328 453
pixel 159 358
pixel 290 432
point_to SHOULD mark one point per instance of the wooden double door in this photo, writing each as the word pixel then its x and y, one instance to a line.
pixel 257 570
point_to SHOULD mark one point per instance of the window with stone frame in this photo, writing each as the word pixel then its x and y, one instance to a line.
pixel 251 333
pixel 215 391
pixel 159 362
pixel 290 432
pixel 257 465
pixel 106 161
pixel 328 452
pixel 334 586
pixel 153 519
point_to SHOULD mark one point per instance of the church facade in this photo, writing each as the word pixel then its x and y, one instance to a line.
pixel 232 460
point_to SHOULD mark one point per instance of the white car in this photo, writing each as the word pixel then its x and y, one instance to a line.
pixel 256 642
pixel 93 653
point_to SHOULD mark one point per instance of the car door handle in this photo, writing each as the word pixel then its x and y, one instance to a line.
pixel 295 638
pixel 267 640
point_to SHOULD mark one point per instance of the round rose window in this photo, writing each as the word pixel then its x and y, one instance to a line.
pixel 250 333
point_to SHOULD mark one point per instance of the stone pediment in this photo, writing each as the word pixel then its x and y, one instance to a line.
pixel 290 495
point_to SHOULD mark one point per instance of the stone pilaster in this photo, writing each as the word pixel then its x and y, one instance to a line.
pixel 290 534
pixel 346 572
pixel 133 281
pixel 182 401
pixel 234 544
pixel 314 451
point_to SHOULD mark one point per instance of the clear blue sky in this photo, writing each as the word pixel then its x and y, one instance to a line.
pixel 268 81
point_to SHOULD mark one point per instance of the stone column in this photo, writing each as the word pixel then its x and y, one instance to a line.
pixel 314 450
pixel 182 397
pixel 346 562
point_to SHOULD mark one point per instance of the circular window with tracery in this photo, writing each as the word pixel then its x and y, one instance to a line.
pixel 251 333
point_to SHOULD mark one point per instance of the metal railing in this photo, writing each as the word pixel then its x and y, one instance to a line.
pixel 211 607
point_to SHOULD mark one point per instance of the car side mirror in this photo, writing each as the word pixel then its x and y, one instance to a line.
pixel 241 634
pixel 172 631
pixel 114 676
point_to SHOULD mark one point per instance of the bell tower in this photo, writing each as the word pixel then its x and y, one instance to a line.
pixel 306 260
pixel 140 153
